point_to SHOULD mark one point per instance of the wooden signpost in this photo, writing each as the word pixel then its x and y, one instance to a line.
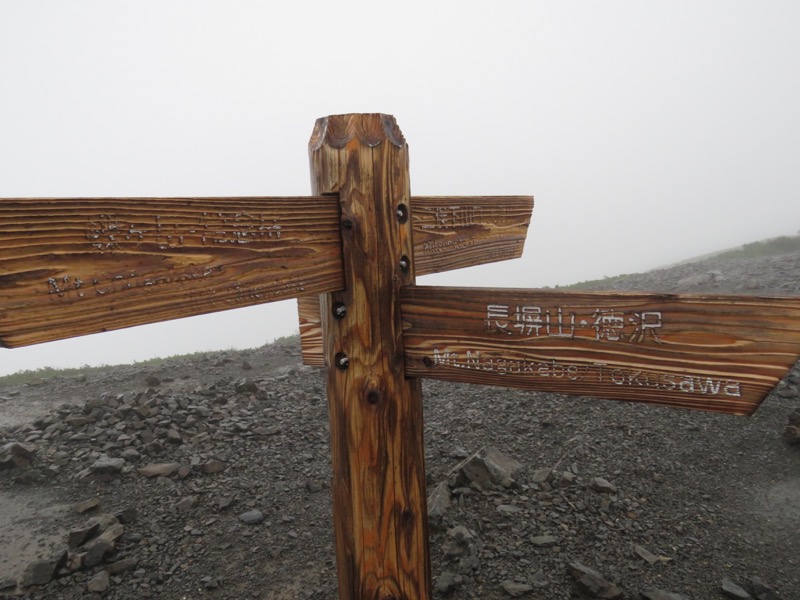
pixel 350 255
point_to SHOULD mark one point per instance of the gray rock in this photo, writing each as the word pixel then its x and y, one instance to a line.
pixel 103 469
pixel 460 533
pixel 508 509
pixel 184 505
pixel 459 452
pixel 78 537
pixel 448 582
pixel 174 436
pixel 87 505
pixel 121 566
pixel 313 486
pixel 602 486
pixel 541 475
pixel 565 479
pixel 211 583
pixel 213 465
pixel 458 542
pixel 439 501
pixel 661 595
pixel 792 434
pixel 762 591
pixel 159 469
pixel 130 454
pixel 645 554
pixel 103 521
pixel 112 533
pixel 246 387
pixel 97 552
pixel 99 583
pixel 544 541
pixel 489 468
pixel 516 589
pixel 127 515
pixel 731 590
pixel 40 572
pixel 591 582
pixel 251 517
pixel 15 456
pixel 223 502
pixel 468 564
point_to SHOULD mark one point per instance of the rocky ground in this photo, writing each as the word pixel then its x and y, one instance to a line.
pixel 209 478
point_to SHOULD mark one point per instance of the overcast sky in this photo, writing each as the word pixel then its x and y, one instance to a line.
pixel 648 132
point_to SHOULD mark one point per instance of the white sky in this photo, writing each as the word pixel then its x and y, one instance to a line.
pixel 648 132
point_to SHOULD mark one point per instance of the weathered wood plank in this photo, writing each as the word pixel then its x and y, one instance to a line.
pixel 380 512
pixel 71 267
pixel 453 232
pixel 450 232
pixel 310 331
pixel 717 353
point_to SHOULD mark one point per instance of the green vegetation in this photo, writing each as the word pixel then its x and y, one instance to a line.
pixel 592 284
pixel 779 245
pixel 37 376
pixel 288 340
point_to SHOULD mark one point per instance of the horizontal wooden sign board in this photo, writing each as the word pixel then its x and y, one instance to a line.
pixel 72 267
pixel 717 353
pixel 455 232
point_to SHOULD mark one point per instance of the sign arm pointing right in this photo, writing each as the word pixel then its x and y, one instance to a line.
pixel 716 353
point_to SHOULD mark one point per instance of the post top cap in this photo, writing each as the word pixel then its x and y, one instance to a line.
pixel 371 129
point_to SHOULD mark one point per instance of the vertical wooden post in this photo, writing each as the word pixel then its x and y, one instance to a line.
pixel 379 499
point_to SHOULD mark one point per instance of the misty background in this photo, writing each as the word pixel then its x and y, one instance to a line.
pixel 648 133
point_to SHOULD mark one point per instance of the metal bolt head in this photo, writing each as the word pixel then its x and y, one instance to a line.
pixel 339 310
pixel 401 213
pixel 405 264
pixel 341 361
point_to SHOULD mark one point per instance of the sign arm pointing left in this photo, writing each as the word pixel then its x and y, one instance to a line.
pixel 72 267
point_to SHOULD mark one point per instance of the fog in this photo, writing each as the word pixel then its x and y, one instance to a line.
pixel 647 132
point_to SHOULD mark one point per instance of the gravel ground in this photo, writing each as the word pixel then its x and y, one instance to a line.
pixel 209 478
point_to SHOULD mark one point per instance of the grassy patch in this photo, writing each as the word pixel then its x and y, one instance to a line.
pixel 592 284
pixel 779 245
pixel 36 376
pixel 287 340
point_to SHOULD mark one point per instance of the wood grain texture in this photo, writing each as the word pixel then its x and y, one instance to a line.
pixel 71 267
pixel 379 493
pixel 716 353
pixel 454 232
pixel 310 331
pixel 450 232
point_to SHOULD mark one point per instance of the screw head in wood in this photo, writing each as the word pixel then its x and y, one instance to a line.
pixel 402 213
pixel 339 310
pixel 405 264
pixel 341 361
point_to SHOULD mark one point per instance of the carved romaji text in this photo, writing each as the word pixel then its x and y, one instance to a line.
pixel 591 373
